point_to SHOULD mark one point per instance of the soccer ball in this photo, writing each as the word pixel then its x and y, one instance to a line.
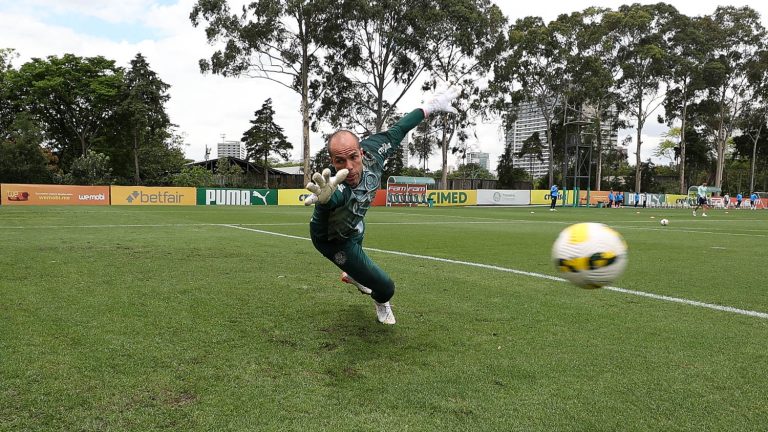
pixel 664 222
pixel 590 255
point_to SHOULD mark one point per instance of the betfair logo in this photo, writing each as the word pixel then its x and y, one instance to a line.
pixel 155 198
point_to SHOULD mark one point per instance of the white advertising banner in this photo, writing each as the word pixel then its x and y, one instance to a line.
pixel 503 197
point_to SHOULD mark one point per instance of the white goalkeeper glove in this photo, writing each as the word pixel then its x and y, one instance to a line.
pixel 441 102
pixel 324 186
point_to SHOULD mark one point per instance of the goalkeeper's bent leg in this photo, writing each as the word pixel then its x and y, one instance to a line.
pixel 351 258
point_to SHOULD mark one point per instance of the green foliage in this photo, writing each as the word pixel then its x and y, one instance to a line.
pixel 74 97
pixel 321 161
pixel 423 142
pixel 9 100
pixel 272 39
pixel 381 50
pixel 393 166
pixel 471 171
pixel 21 156
pixel 90 169
pixel 193 176
pixel 141 121
pixel 266 138
pixel 508 175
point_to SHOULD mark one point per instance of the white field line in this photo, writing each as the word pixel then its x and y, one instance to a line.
pixel 482 222
pixel 536 275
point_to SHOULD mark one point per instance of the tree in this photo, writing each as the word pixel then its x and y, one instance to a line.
pixel 471 171
pixel 736 35
pixel 193 176
pixel 508 175
pixel 639 32
pixel 21 156
pixel 142 111
pixel 394 165
pixel 687 54
pixel 321 161
pixel 532 147
pixel 382 52
pixel 469 35
pixel 91 168
pixel 595 69
pixel 73 98
pixel 158 162
pixel 423 142
pixel 668 148
pixel 277 40
pixel 9 105
pixel 265 137
pixel 536 58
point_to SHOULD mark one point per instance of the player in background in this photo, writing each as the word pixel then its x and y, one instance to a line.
pixel 553 196
pixel 753 201
pixel 337 227
pixel 738 200
pixel 726 201
pixel 701 199
pixel 611 197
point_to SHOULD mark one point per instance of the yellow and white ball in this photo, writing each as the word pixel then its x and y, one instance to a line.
pixel 589 254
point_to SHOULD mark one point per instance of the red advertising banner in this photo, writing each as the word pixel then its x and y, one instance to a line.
pixel 25 194
pixel 594 197
pixel 380 199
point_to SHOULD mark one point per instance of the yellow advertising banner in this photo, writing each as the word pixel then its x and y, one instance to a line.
pixel 25 194
pixel 294 197
pixel 676 199
pixel 541 196
pixel 166 196
pixel 452 197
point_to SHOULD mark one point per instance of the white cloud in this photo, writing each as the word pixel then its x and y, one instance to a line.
pixel 206 106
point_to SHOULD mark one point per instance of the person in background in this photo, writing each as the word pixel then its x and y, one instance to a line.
pixel 620 200
pixel 645 198
pixel 553 196
pixel 738 200
pixel 701 199
pixel 726 201
pixel 637 198
pixel 753 201
pixel 611 198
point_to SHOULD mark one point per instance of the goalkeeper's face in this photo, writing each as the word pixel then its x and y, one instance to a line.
pixel 345 152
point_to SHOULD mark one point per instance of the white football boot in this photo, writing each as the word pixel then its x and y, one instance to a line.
pixel 384 313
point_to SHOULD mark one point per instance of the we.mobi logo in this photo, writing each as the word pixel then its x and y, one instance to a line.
pixel 163 197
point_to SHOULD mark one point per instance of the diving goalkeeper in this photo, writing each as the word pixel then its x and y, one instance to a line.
pixel 341 201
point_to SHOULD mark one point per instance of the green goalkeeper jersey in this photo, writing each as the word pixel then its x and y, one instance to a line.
pixel 342 216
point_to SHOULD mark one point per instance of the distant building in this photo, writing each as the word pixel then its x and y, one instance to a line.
pixel 230 149
pixel 530 120
pixel 479 158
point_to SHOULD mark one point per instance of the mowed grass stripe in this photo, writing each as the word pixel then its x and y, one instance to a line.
pixel 536 275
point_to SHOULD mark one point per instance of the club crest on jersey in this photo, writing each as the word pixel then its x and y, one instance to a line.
pixel 340 258
pixel 371 181
pixel 384 147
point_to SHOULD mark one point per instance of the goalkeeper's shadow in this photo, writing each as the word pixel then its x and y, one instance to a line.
pixel 354 336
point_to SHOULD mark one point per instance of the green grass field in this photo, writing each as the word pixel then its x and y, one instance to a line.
pixel 178 319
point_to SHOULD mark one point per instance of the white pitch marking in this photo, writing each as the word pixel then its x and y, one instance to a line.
pixel 539 275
